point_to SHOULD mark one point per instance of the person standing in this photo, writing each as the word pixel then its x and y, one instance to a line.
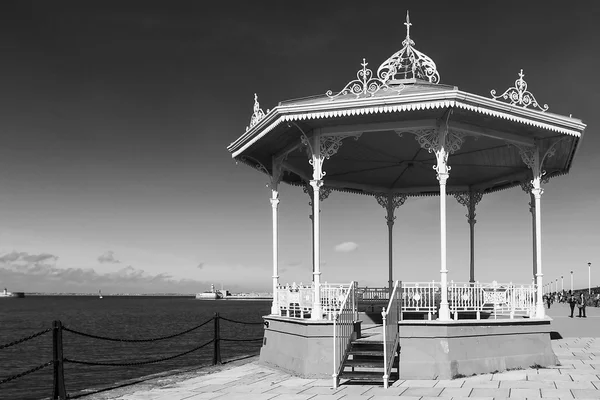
pixel 572 301
pixel 581 304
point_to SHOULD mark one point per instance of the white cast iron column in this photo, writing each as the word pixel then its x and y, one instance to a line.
pixel 320 148
pixel 531 157
pixel 470 200
pixel 537 193
pixel 442 176
pixel 274 203
pixel 323 194
pixel 390 202
pixel 442 141
pixel 527 186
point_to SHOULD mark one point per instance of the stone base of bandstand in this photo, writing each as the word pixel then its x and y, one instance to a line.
pixel 301 347
pixel 446 350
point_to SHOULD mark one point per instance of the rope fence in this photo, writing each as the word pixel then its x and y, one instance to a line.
pixel 58 358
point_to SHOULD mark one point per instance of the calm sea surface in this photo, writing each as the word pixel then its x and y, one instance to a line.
pixel 133 317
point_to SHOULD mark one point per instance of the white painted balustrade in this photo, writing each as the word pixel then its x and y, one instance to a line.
pixel 343 331
pixel 391 337
pixel 470 300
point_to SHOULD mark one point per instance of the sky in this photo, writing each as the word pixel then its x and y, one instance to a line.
pixel 115 117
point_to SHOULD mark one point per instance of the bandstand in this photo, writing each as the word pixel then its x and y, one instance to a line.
pixel 395 134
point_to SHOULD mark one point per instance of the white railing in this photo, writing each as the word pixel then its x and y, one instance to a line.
pixel 494 298
pixel 497 299
pixel 420 297
pixel 332 297
pixel 295 301
pixel 343 331
pixel 391 316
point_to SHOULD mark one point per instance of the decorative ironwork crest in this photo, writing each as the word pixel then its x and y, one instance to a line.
pixel 408 63
pixel 429 140
pixel 364 85
pixel 519 95
pixel 324 192
pixel 328 146
pixel 254 163
pixel 398 199
pixel 257 115
pixel 469 200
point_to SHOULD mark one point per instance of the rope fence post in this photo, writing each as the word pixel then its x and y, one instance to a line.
pixel 59 392
pixel 217 341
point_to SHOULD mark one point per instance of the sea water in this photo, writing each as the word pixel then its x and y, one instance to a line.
pixel 134 317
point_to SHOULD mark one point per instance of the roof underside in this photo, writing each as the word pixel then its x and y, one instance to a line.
pixel 386 157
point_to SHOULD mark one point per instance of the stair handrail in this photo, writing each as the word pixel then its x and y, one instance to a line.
pixel 391 336
pixel 343 332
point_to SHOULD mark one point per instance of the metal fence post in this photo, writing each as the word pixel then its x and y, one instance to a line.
pixel 59 391
pixel 217 341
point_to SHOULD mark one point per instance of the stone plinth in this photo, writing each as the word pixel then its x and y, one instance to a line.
pixel 444 350
pixel 301 347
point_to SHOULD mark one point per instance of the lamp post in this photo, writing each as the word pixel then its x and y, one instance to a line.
pixel 562 283
pixel 556 285
pixel 571 281
pixel 589 278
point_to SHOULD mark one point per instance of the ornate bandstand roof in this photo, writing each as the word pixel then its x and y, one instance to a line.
pixel 394 114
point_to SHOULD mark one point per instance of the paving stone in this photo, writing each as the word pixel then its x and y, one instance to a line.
pixel 510 376
pixel 336 396
pixel 418 383
pixel 243 396
pixel 527 393
pixel 382 397
pixel 422 391
pixel 574 385
pixel 490 392
pixel 586 393
pixel 583 377
pixel 450 383
pixel 286 396
pixel 483 384
pixel 564 394
pixel 203 396
pixel 324 390
pixel 456 392
pixel 380 391
pixel 528 384
pixel 286 390
pixel 355 397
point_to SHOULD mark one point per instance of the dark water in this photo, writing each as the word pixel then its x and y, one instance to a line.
pixel 120 317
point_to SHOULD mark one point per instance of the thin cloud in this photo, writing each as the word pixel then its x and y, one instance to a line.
pixel 346 247
pixel 108 258
pixel 38 272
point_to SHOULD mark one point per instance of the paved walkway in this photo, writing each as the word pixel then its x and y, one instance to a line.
pixel 577 377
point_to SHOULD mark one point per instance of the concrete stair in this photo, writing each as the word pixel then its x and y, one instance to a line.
pixel 365 362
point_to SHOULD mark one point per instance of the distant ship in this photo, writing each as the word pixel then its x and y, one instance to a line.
pixel 213 294
pixel 6 294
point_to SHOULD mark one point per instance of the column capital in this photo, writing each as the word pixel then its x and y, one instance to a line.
pixel 537 192
pixel 316 184
pixel 442 177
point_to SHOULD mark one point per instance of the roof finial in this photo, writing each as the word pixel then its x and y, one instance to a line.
pixel 408 24
pixel 408 63
pixel 519 95
pixel 258 114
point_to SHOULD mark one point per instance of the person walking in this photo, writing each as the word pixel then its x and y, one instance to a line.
pixel 572 301
pixel 581 304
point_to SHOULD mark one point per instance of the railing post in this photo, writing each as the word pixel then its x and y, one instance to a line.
pixel 59 391
pixel 217 341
